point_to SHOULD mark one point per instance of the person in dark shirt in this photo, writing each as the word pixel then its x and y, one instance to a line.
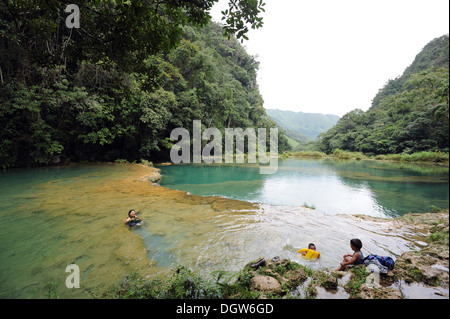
pixel 355 259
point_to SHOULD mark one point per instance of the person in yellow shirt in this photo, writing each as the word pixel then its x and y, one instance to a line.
pixel 310 253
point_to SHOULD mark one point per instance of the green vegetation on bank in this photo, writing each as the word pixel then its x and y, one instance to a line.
pixel 431 157
pixel 418 157
pixel 410 115
pixel 184 284
pixel 408 120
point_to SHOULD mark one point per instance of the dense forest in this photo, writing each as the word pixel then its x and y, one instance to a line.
pixel 409 114
pixel 116 87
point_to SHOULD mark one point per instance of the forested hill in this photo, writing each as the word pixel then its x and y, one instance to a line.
pixel 96 110
pixel 410 114
pixel 434 55
pixel 309 125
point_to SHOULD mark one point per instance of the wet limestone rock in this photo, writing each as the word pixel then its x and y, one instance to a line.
pixel 379 293
pixel 422 266
pixel 274 275
pixel 330 282
pixel 265 284
pixel 153 177
pixel 429 265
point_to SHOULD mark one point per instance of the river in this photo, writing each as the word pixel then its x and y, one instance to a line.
pixel 378 189
pixel 53 217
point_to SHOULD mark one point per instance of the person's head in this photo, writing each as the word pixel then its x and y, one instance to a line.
pixel 131 213
pixel 312 246
pixel 356 244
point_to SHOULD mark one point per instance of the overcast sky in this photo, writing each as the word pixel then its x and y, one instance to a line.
pixel 332 56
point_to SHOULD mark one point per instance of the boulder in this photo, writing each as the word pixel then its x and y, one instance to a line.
pixel 265 284
pixel 379 293
pixel 330 282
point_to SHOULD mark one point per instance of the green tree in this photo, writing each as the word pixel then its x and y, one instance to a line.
pixel 410 114
pixel 122 105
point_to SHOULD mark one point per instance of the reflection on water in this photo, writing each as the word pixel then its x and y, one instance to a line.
pixel 334 187
pixel 55 217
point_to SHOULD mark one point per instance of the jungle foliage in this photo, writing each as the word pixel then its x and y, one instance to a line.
pixel 409 115
pixel 117 86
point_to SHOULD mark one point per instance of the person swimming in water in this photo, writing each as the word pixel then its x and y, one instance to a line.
pixel 132 219
pixel 310 246
pixel 308 253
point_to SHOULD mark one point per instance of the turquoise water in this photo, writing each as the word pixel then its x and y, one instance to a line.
pixel 53 217
pixel 335 187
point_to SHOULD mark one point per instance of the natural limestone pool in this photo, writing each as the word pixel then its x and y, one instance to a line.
pixel 53 217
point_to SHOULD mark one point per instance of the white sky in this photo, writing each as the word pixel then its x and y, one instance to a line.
pixel 332 56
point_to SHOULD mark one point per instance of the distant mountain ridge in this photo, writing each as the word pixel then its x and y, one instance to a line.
pixel 302 126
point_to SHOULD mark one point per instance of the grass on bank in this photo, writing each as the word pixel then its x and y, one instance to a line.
pixel 419 157
pixel 184 284
pixel 430 157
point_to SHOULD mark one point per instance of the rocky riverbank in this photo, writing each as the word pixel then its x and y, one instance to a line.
pixel 154 177
pixel 422 273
